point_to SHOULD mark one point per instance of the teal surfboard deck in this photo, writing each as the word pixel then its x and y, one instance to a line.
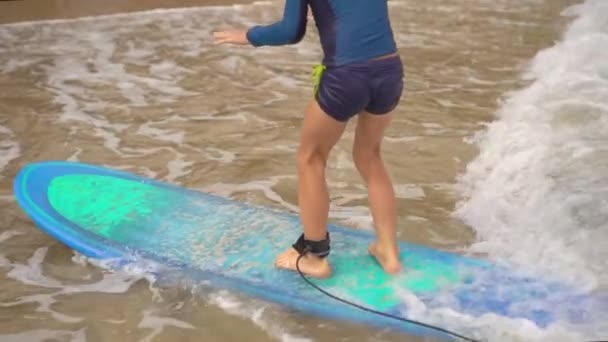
pixel 110 214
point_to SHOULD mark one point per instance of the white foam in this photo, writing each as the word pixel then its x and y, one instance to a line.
pixel 158 323
pixel 61 75
pixel 341 161
pixel 178 167
pixel 169 135
pixel 537 193
pixel 284 81
pixel 232 63
pixel 409 191
pixel 146 172
pixel 31 274
pixel 43 335
pixel 401 139
pixel 168 69
pixel 214 116
pixel 7 234
pixel 82 63
pixel 4 236
pixel 487 327
pixel 44 301
pixel 265 186
pixel 349 215
pixel 140 152
pixel 232 305
pixel 353 216
pixel 416 218
pixel 222 156
pixel 4 262
pixel 538 189
pixel 139 55
pixel 74 156
pixel 85 65
pixel 14 64
pixel 9 148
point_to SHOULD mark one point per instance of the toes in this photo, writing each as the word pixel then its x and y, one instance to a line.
pixel 289 258
pixel 282 263
pixel 393 269
pixel 389 263
pixel 286 259
pixel 373 249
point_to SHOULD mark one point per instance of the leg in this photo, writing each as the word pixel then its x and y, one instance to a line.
pixel 319 134
pixel 366 154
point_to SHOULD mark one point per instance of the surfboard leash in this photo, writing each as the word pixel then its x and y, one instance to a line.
pixel 399 318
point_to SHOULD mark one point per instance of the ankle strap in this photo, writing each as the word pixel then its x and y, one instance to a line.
pixel 318 248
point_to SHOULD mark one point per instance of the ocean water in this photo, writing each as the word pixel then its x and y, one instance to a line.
pixel 498 150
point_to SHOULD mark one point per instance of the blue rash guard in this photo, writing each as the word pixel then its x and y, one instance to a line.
pixel 349 30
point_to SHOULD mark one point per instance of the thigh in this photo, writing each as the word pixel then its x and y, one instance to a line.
pixel 370 132
pixel 320 132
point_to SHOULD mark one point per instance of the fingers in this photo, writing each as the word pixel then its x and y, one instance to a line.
pixel 222 34
pixel 232 37
pixel 221 37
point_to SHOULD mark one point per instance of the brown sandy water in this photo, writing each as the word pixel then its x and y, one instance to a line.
pixel 148 92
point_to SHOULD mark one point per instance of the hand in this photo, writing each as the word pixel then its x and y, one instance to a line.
pixel 231 37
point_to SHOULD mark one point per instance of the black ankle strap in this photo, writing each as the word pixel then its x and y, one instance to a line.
pixel 318 248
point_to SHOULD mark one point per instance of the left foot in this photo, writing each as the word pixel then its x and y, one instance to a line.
pixel 309 264
pixel 389 259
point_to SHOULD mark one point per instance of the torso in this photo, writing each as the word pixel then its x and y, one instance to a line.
pixel 353 30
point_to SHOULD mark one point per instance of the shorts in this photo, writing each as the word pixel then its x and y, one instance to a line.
pixel 374 86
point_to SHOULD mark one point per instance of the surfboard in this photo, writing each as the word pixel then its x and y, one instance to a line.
pixel 109 214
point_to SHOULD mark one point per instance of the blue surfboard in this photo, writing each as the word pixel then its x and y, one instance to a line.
pixel 109 214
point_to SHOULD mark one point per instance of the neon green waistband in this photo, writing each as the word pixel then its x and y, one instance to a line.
pixel 317 74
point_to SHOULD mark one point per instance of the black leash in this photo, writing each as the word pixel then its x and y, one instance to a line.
pixel 378 312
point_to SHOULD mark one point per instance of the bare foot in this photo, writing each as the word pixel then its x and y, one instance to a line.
pixel 309 264
pixel 389 260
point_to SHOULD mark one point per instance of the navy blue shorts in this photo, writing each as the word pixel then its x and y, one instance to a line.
pixel 373 86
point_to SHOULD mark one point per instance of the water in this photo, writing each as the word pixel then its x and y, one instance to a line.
pixel 538 191
pixel 149 93
pixel 540 181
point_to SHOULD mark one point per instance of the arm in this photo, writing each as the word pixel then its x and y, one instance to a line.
pixel 289 30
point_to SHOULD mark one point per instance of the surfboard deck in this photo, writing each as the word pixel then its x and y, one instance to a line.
pixel 110 214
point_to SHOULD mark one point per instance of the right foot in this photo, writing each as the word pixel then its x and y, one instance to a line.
pixel 389 260
pixel 309 264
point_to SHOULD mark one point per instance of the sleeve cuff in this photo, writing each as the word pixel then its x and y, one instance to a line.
pixel 251 36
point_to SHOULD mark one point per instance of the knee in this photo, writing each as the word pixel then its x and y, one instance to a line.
pixel 311 157
pixel 365 157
